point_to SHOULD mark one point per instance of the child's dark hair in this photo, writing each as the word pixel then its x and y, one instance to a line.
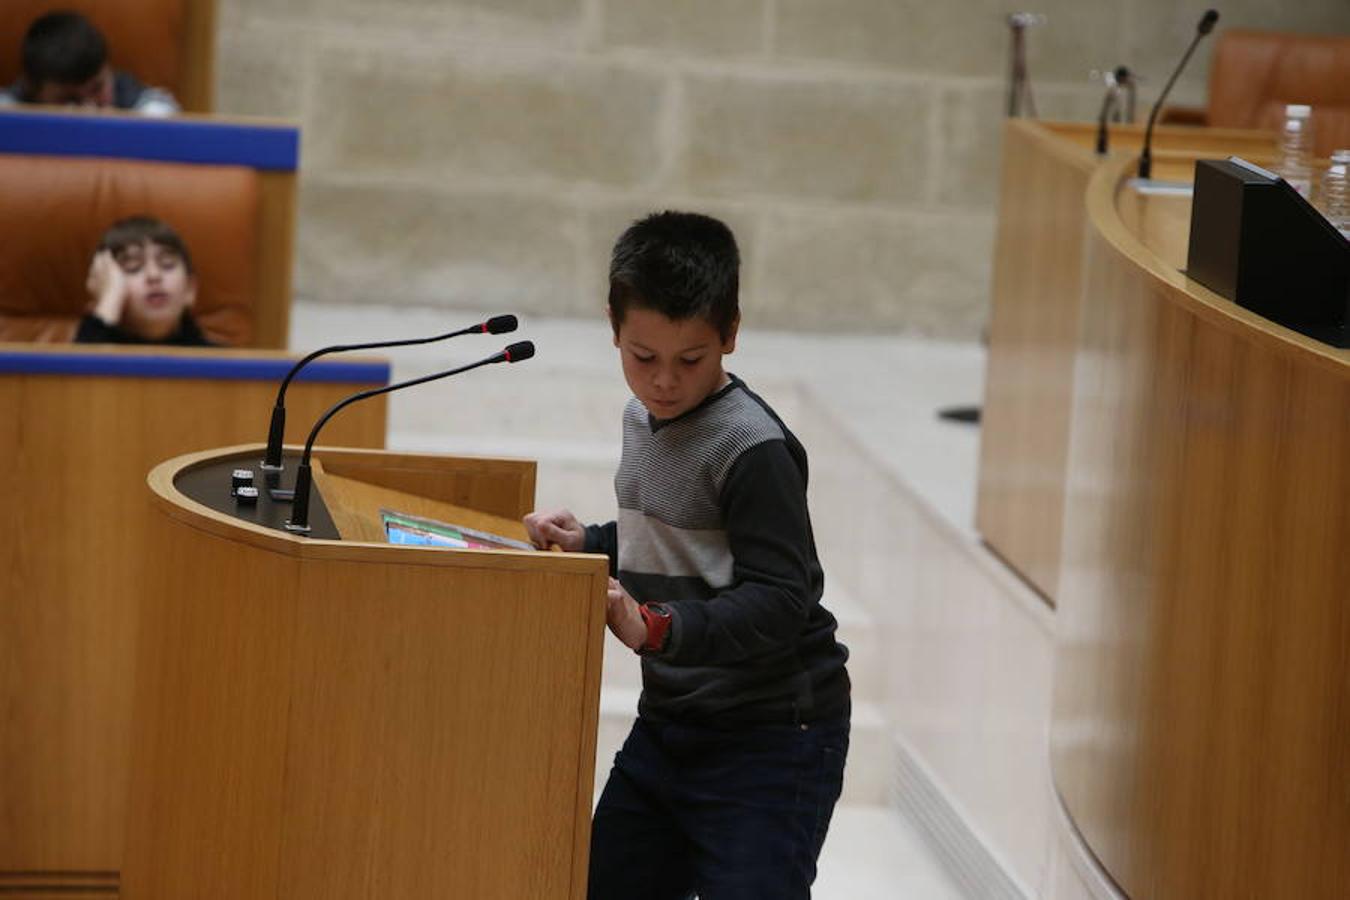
pixel 63 48
pixel 680 264
pixel 135 230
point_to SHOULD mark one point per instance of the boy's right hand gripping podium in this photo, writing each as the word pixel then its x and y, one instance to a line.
pixel 319 714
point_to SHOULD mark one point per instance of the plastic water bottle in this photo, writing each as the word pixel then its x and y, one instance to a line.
pixel 1336 191
pixel 1294 155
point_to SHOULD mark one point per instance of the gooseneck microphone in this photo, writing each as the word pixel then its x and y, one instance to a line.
pixel 299 521
pixel 272 458
pixel 1110 104
pixel 1205 26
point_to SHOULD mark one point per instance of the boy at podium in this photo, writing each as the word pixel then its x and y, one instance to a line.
pixel 727 782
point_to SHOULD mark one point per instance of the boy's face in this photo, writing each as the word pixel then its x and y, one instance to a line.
pixel 97 91
pixel 159 289
pixel 670 365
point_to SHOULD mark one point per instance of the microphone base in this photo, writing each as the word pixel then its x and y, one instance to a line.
pixel 297 529
pixel 268 467
pixel 1159 187
pixel 210 484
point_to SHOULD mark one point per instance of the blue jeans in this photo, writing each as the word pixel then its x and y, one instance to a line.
pixel 724 814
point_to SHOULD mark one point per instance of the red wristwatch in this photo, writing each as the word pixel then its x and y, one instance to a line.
pixel 657 619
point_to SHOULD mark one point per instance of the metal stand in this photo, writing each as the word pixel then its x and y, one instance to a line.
pixel 1019 84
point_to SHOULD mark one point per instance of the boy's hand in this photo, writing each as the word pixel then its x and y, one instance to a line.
pixel 557 526
pixel 107 284
pixel 623 618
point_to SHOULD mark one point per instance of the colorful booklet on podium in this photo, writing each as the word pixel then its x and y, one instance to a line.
pixel 401 528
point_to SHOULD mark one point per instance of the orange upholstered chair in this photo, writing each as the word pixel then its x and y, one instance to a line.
pixel 165 43
pixel 56 208
pixel 1255 73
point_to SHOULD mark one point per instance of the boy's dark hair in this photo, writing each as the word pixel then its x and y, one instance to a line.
pixel 64 48
pixel 680 264
pixel 135 230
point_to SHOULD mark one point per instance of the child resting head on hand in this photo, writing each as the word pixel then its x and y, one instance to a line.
pixel 142 287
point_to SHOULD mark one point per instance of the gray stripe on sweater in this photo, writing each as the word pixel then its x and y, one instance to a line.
pixel 649 546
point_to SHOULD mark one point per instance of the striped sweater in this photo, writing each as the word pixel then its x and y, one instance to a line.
pixel 713 524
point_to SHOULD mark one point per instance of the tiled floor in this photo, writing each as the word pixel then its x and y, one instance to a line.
pixel 562 409
pixel 873 853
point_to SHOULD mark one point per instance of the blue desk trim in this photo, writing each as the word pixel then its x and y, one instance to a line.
pixel 204 366
pixel 267 147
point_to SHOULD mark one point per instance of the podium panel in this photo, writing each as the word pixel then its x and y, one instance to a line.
pixel 334 719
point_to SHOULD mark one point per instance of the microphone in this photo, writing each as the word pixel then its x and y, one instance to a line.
pixel 272 459
pixel 1126 77
pixel 299 520
pixel 1111 104
pixel 1205 26
pixel 1019 85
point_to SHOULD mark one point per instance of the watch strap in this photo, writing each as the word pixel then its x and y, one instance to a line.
pixel 657 619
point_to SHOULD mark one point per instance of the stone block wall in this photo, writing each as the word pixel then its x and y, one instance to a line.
pixel 484 154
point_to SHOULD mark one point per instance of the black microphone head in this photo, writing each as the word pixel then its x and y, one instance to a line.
pixel 1122 74
pixel 521 350
pixel 1207 21
pixel 500 324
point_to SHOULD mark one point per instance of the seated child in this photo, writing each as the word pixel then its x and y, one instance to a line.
pixel 65 63
pixel 729 776
pixel 142 286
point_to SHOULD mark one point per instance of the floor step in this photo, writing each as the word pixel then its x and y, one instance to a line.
pixel 858 632
pixel 874 853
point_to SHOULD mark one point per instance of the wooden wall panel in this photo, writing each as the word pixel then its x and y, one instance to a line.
pixel 1032 333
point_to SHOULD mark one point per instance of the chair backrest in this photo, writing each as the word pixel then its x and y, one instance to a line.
pixel 165 43
pixel 1255 73
pixel 56 208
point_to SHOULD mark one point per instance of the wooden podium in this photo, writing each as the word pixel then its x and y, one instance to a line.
pixel 334 718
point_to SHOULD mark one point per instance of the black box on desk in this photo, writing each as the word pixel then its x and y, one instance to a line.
pixel 1258 242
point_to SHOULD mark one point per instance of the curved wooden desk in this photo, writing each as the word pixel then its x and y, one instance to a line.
pixel 227 184
pixel 1201 735
pixel 1033 327
pixel 82 427
pixel 328 719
